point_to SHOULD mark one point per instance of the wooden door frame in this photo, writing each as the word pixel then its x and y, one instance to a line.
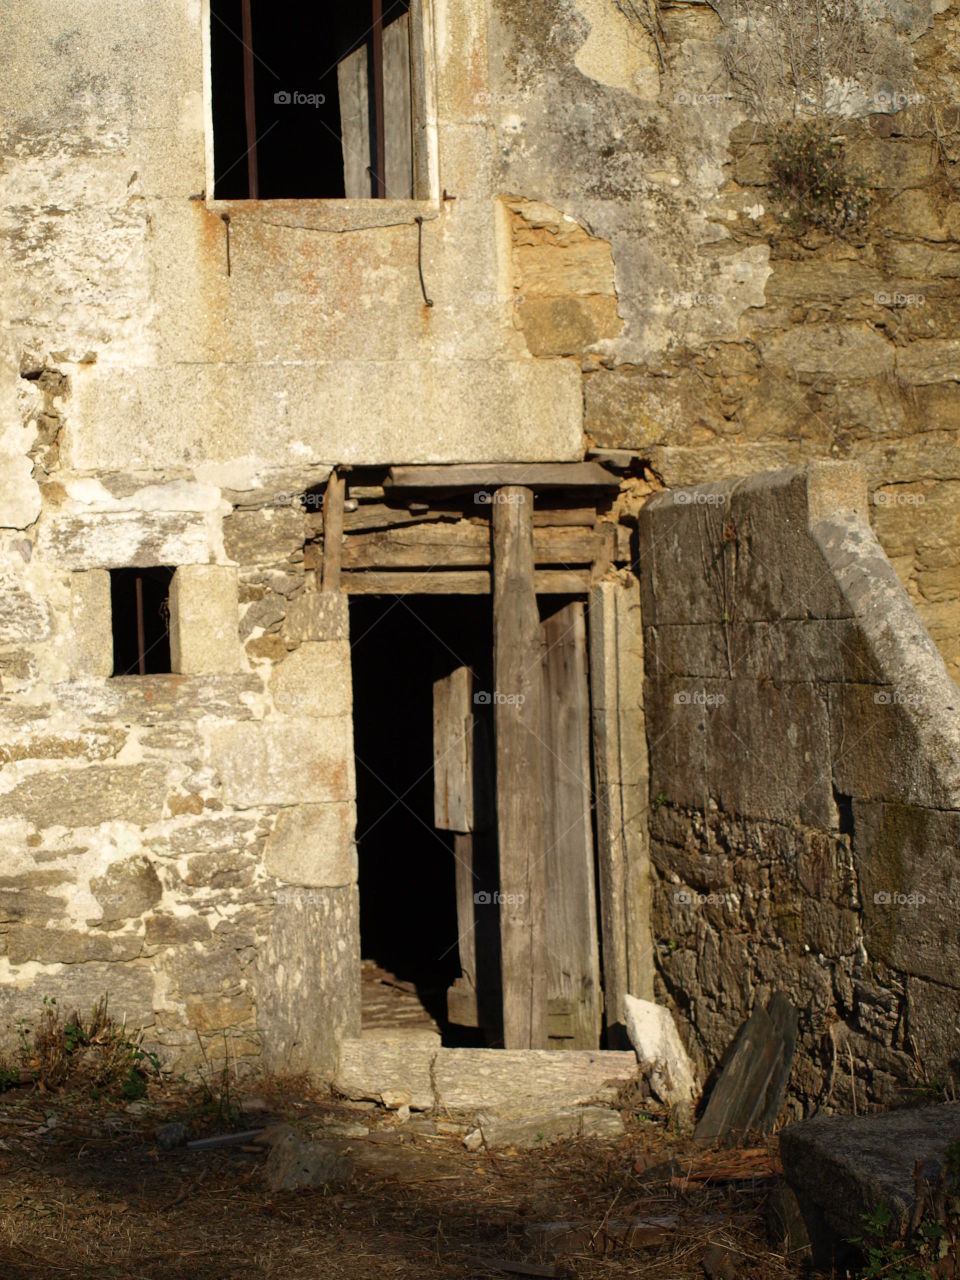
pixel 416 533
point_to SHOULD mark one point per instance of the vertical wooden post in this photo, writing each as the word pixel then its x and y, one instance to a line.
pixel 141 634
pixel 249 103
pixel 622 786
pixel 604 694
pixel 517 650
pixel 418 104
pixel 332 532
pixel 573 960
pixel 380 149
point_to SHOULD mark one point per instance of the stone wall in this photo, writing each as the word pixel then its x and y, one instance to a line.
pixel 182 843
pixel 745 343
pixel 805 775
pixel 607 270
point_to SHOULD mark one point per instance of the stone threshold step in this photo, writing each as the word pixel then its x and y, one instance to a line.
pixel 409 1067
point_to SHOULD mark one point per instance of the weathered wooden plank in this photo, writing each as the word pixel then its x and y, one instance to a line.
pixel 495 475
pixel 367 492
pixel 610 851
pixel 517 646
pixel 583 517
pixel 378 515
pixel 467 544
pixel 751 1085
pixel 634 783
pixel 332 532
pixel 785 1020
pixel 465 887
pixel 739 1092
pixel 573 962
pixel 453 751
pixel 457 582
pixel 381 515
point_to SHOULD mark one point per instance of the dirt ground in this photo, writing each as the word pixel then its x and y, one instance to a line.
pixel 86 1192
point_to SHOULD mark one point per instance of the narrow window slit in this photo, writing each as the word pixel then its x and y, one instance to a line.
pixel 140 606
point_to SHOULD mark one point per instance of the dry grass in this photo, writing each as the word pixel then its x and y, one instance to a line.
pixel 99 1053
pixel 91 1195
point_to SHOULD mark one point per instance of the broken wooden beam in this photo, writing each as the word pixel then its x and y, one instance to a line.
pixel 487 476
pixel 749 1091
pixel 517 648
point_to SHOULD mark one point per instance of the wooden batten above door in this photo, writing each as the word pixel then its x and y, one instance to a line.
pixel 427 530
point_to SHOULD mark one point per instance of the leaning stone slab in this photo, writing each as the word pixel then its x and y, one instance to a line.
pixel 521 1082
pixel 660 1051
pixel 391 1067
pixel 843 1167
pixel 525 1132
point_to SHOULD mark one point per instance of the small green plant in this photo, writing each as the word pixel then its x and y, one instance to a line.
pixel 9 1076
pixel 927 1247
pixel 811 181
pixel 661 799
pixel 933 1090
pixel 216 1088
pixel 101 1053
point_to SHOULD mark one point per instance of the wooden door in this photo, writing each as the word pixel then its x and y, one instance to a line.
pixel 573 964
pixel 463 805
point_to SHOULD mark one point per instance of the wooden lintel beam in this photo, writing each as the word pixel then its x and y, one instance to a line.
pixel 488 476
pixel 454 582
pixel 465 544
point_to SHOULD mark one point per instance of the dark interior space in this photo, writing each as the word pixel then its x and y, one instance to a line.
pixel 297 47
pixel 408 916
pixel 141 625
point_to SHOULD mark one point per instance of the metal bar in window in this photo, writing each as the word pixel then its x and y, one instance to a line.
pixel 249 103
pixel 141 636
pixel 379 173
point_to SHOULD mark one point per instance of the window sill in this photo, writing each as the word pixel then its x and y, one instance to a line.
pixel 327 215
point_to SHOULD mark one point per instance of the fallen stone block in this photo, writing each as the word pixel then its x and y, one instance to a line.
pixel 390 1067
pixel 522 1082
pixel 295 1161
pixel 542 1130
pixel 842 1168
pixel 660 1051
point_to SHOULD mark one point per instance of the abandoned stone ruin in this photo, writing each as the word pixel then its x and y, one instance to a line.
pixel 480 556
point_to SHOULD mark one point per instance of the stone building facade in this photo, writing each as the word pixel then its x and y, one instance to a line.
pixel 606 269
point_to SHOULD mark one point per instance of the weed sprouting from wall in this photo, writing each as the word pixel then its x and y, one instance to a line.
pixel 793 59
pixel 811 181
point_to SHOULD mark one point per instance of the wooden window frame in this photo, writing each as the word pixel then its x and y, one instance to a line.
pixel 339 213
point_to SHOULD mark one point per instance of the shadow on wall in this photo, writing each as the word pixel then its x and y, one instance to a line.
pixel 805 775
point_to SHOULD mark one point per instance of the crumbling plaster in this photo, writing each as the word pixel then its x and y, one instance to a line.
pixel 744 346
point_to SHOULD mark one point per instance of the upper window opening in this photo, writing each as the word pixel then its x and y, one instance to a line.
pixel 312 100
pixel 140 601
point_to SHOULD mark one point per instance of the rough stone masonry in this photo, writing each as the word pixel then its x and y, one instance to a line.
pixel 609 268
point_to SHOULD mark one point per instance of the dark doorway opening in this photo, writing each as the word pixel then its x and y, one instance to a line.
pixel 408 909
pixel 315 104
pixel 140 607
